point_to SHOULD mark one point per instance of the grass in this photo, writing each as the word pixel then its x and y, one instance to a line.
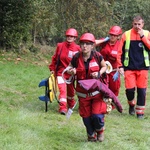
pixel 24 125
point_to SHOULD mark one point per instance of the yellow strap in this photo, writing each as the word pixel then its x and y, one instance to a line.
pixel 145 53
pixel 127 46
pixel 146 33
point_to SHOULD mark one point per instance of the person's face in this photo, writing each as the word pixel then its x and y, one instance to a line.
pixel 113 38
pixel 86 46
pixel 138 24
pixel 70 38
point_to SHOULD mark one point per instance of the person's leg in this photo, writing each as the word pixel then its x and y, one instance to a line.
pixel 114 86
pixel 89 129
pixel 142 82
pixel 130 84
pixel 130 94
pixel 70 95
pixel 85 113
pixel 99 108
pixel 98 122
pixel 140 107
pixel 62 95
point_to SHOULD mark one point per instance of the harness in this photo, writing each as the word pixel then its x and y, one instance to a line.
pixel 127 46
pixel 88 94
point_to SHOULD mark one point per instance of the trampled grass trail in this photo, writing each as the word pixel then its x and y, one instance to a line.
pixel 24 125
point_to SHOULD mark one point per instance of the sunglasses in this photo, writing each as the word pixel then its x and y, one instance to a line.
pixel 112 35
pixel 70 36
pixel 86 43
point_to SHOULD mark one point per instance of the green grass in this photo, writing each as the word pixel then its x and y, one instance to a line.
pixel 24 125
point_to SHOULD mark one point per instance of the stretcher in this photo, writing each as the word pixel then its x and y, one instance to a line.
pixel 50 90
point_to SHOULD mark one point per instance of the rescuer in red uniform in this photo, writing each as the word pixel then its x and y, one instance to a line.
pixel 60 60
pixel 109 50
pixel 92 108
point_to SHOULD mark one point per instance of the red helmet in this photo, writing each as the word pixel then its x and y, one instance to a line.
pixel 87 37
pixel 115 30
pixel 72 32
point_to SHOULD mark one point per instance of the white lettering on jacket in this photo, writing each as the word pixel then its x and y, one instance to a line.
pixel 71 53
pixel 114 52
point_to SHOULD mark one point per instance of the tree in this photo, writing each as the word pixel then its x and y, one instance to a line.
pixel 24 23
pixel 15 23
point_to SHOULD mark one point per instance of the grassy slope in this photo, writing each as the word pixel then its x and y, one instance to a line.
pixel 24 125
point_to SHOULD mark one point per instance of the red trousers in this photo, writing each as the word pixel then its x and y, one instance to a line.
pixel 136 80
pixel 91 105
pixel 114 86
pixel 66 94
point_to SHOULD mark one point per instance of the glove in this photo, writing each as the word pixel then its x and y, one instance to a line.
pixel 106 39
pixel 116 76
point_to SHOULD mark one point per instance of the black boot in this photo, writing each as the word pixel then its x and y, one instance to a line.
pixel 131 110
pixel 140 116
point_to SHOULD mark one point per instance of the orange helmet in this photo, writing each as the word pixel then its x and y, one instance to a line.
pixel 87 37
pixel 72 32
pixel 115 30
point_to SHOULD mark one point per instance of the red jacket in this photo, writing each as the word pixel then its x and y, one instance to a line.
pixel 62 57
pixel 109 52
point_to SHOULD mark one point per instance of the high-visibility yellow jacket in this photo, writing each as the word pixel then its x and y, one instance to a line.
pixel 133 51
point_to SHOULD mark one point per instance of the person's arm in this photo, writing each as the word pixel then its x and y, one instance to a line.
pixel 97 42
pixel 72 65
pixel 103 67
pixel 145 40
pixel 71 70
pixel 52 66
pixel 119 55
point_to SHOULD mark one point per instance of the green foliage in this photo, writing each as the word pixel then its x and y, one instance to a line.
pixel 15 23
pixel 126 10
pixel 25 23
